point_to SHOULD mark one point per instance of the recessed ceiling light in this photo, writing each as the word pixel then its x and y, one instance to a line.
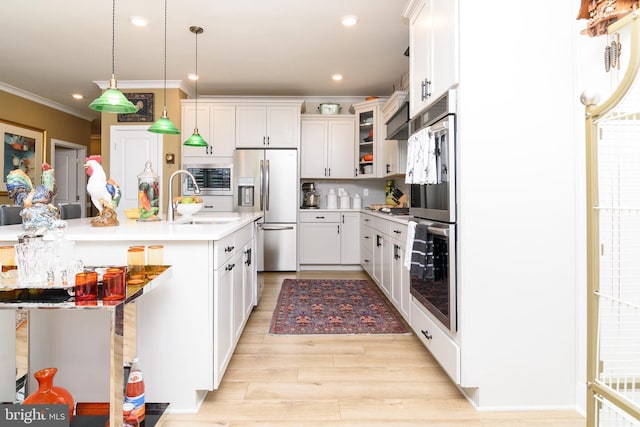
pixel 77 96
pixel 192 76
pixel 139 21
pixel 337 77
pixel 349 20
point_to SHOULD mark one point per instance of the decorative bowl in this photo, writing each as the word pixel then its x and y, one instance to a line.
pixel 188 209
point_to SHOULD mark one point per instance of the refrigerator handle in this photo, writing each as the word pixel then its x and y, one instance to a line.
pixel 261 185
pixel 266 186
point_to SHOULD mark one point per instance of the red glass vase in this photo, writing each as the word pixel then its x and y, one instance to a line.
pixel 47 393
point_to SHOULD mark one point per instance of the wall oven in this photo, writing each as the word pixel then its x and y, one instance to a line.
pixel 433 205
pixel 435 197
pixel 433 285
pixel 213 179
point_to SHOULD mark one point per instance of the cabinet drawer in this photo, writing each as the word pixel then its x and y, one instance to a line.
pixel 398 231
pixel 319 216
pixel 441 346
pixel 225 248
pixel 366 238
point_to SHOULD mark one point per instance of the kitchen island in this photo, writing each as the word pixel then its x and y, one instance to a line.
pixel 185 332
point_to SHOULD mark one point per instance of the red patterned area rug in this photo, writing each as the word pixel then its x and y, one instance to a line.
pixel 317 306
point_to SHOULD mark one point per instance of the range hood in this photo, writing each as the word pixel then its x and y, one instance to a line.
pixel 398 124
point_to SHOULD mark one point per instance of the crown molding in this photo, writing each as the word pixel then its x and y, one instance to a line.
pixel 44 101
pixel 146 84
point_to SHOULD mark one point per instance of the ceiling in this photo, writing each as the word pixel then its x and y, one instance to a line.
pixel 53 49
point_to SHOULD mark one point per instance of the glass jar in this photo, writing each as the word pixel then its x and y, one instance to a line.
pixel 148 194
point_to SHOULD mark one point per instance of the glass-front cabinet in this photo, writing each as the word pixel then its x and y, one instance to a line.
pixel 369 134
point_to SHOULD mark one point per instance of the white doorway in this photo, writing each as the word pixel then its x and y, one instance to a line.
pixel 129 149
pixel 68 164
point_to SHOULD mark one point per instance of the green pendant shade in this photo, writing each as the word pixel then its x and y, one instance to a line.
pixel 164 125
pixel 113 101
pixel 196 140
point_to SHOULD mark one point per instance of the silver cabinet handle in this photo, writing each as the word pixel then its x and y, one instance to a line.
pixel 276 227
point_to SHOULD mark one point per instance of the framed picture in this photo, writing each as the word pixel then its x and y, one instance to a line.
pixel 144 102
pixel 23 148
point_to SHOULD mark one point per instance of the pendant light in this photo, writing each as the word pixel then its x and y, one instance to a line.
pixel 196 140
pixel 163 124
pixel 112 100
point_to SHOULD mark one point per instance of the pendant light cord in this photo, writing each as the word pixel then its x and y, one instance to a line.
pixel 165 54
pixel 197 78
pixel 113 40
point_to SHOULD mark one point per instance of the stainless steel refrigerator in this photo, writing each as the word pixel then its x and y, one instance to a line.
pixel 274 174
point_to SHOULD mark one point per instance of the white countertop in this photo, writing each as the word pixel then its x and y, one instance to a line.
pixel 131 229
pixel 402 219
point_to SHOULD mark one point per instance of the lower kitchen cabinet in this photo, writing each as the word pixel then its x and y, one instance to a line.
pixel 329 238
pixel 382 253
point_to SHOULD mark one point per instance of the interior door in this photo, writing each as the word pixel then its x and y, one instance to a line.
pixel 130 148
pixel 66 173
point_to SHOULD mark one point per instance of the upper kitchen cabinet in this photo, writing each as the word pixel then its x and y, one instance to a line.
pixel 216 124
pixel 433 53
pixel 370 161
pixel 268 125
pixel 326 146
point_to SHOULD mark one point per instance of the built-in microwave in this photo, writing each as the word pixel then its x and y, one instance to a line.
pixel 213 179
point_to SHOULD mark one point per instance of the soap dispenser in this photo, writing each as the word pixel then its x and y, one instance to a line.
pixel 148 194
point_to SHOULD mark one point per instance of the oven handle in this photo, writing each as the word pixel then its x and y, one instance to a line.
pixel 438 231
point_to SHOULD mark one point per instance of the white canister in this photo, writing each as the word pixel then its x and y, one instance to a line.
pixel 357 202
pixel 332 201
pixel 345 202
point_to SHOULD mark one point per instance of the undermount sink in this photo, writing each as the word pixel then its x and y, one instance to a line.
pixel 206 220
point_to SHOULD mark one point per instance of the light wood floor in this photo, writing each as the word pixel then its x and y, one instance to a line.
pixel 339 380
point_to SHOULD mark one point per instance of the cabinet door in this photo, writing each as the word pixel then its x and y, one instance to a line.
pixel 235 265
pixel 319 243
pixel 222 322
pixel 251 126
pixel 313 149
pixel 190 118
pixel 365 143
pixel 222 130
pixel 283 126
pixel 350 238
pixel 386 284
pixel 400 294
pixel 249 280
pixel 378 258
pixel 420 58
pixel 444 46
pixel 341 150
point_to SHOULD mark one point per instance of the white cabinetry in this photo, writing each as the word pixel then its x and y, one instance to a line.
pixel 268 125
pixel 326 146
pixel 349 237
pixel 382 251
pixel 216 124
pixel 231 284
pixel 433 48
pixel 319 238
pixel 375 156
pixel 329 237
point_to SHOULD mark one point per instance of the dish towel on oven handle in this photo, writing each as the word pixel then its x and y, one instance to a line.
pixel 421 158
pixel 408 249
pixel 422 254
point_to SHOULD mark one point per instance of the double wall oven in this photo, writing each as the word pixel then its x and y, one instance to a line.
pixel 433 204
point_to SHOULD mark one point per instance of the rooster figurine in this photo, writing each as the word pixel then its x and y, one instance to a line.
pixel 105 193
pixel 37 201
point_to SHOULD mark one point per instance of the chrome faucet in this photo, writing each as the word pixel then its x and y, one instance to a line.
pixel 172 206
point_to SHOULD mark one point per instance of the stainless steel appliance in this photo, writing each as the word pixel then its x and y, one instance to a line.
pixel 437 201
pixel 275 172
pixel 433 205
pixel 213 179
pixel 435 286
pixel 310 197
